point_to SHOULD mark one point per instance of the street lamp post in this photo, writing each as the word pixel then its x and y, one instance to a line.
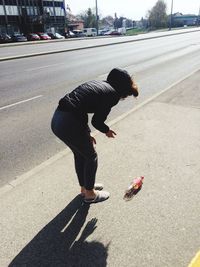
pixel 97 18
pixel 6 18
pixel 170 27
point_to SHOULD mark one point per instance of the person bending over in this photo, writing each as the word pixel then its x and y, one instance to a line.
pixel 70 124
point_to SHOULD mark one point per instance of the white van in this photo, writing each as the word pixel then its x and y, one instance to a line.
pixel 90 31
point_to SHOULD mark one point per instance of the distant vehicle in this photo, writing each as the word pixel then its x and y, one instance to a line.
pixel 90 32
pixel 102 32
pixel 44 36
pixel 68 34
pixel 122 30
pixel 78 33
pixel 55 35
pixel 112 33
pixel 33 37
pixel 5 38
pixel 16 37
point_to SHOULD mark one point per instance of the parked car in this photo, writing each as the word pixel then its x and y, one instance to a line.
pixel 112 33
pixel 78 33
pixel 5 38
pixel 17 37
pixel 33 37
pixel 55 35
pixel 102 32
pixel 44 36
pixel 90 32
pixel 69 34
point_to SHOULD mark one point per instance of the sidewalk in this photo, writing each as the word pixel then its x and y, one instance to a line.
pixel 43 221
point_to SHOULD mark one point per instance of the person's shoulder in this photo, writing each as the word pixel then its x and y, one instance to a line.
pixel 107 87
pixel 98 86
pixel 97 83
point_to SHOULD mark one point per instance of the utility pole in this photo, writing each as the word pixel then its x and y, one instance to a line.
pixel 97 18
pixel 19 9
pixel 170 27
pixel 65 17
pixel 6 18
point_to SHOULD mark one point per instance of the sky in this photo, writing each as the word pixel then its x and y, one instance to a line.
pixel 132 9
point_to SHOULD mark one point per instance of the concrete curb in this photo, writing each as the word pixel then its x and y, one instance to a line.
pixel 19 180
pixel 89 47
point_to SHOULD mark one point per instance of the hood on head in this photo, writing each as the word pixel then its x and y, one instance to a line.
pixel 121 81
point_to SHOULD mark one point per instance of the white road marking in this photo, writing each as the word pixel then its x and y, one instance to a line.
pixel 103 76
pixel 44 67
pixel 20 102
pixel 127 68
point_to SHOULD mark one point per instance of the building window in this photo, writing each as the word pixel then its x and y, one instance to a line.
pixel 49 11
pixel 47 3
pixel 58 4
pixel 2 11
pixel 59 11
pixel 10 2
pixel 12 10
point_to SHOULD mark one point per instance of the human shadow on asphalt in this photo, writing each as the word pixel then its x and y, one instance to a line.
pixel 55 244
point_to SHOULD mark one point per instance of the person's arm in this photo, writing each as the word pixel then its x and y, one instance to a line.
pixel 98 121
pixel 88 129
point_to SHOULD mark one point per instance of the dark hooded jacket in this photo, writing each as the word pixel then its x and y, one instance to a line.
pixel 97 97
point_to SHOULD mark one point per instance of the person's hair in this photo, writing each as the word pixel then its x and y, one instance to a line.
pixel 134 88
pixel 122 82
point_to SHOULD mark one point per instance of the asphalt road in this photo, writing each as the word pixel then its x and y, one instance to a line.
pixel 30 89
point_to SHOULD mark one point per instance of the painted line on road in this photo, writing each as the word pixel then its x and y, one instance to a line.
pixel 195 261
pixel 9 186
pixel 20 102
pixel 104 75
pixel 47 66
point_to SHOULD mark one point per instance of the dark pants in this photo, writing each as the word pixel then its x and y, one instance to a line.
pixel 72 129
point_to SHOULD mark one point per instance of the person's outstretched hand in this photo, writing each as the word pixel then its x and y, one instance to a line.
pixel 111 134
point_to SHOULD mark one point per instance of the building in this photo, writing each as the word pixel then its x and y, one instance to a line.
pixel 74 23
pixel 27 16
pixel 179 20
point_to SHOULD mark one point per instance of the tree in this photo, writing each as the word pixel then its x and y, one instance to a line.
pixel 89 18
pixel 118 22
pixel 144 23
pixel 130 23
pixel 106 22
pixel 157 16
